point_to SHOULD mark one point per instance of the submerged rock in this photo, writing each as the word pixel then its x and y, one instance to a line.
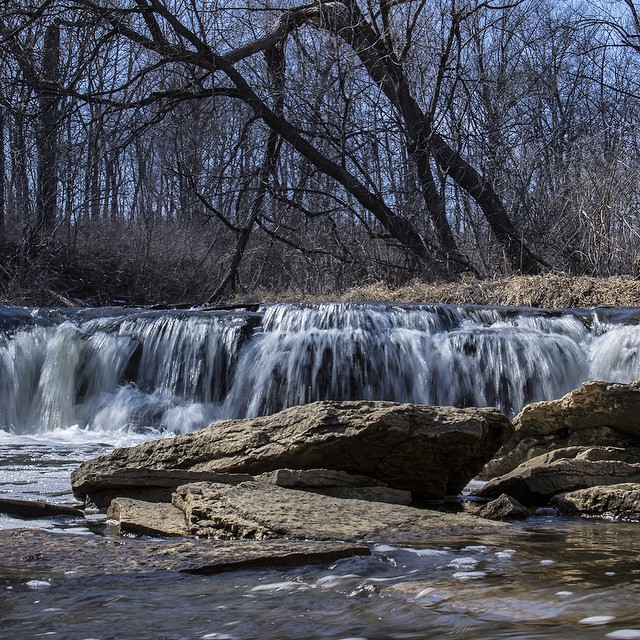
pixel 618 501
pixel 536 481
pixel 597 413
pixel 429 451
pixel 38 554
pixel 28 509
pixel 258 510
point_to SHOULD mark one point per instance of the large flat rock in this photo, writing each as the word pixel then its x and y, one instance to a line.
pixel 257 510
pixel 36 554
pixel 430 451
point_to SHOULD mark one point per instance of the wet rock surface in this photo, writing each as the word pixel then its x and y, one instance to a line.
pixel 27 509
pixel 602 413
pixel 618 501
pixel 430 451
pixel 38 554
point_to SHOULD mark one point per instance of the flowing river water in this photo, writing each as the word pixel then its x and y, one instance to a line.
pixel 75 383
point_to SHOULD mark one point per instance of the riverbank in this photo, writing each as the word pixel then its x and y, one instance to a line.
pixel 550 291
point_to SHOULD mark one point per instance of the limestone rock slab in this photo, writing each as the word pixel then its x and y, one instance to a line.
pixel 602 413
pixel 257 510
pixel 536 481
pixel 430 451
pixel 148 518
pixel 152 485
pixel 618 501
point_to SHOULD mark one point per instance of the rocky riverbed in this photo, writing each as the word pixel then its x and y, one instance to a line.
pixel 358 486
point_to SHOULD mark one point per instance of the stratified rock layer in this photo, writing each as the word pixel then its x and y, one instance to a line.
pixel 536 481
pixel 257 510
pixel 597 413
pixel 338 484
pixel 618 501
pixel 430 451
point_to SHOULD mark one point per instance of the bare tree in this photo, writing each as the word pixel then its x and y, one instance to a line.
pixel 232 148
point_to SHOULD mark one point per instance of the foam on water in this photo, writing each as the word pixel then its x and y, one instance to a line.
pixel 279 586
pixel 596 620
pixel 464 562
pixel 38 584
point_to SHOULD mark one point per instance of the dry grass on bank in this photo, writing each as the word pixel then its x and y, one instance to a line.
pixel 552 291
pixel 548 291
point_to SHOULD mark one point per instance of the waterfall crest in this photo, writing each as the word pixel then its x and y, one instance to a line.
pixel 136 370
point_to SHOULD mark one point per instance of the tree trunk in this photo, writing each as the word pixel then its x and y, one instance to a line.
pixel 21 210
pixel 2 182
pixel 276 63
pixel 47 136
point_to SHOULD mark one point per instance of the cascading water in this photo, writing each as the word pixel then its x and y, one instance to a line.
pixel 148 371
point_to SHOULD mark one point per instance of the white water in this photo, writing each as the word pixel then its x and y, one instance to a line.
pixel 113 372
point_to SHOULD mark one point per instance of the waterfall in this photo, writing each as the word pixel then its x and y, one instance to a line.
pixel 148 371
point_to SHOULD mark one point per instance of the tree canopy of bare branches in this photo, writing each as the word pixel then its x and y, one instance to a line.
pixel 189 149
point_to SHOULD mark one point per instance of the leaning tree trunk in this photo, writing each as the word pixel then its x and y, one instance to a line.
pixel 276 63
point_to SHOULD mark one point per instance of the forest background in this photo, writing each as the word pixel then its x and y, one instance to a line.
pixel 205 151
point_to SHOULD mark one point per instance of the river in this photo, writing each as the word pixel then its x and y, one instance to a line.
pixel 74 383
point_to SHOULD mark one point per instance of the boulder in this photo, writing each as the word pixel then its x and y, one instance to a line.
pixel 429 451
pixel 504 507
pixel 618 501
pixel 597 413
pixel 257 511
pixel 536 481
